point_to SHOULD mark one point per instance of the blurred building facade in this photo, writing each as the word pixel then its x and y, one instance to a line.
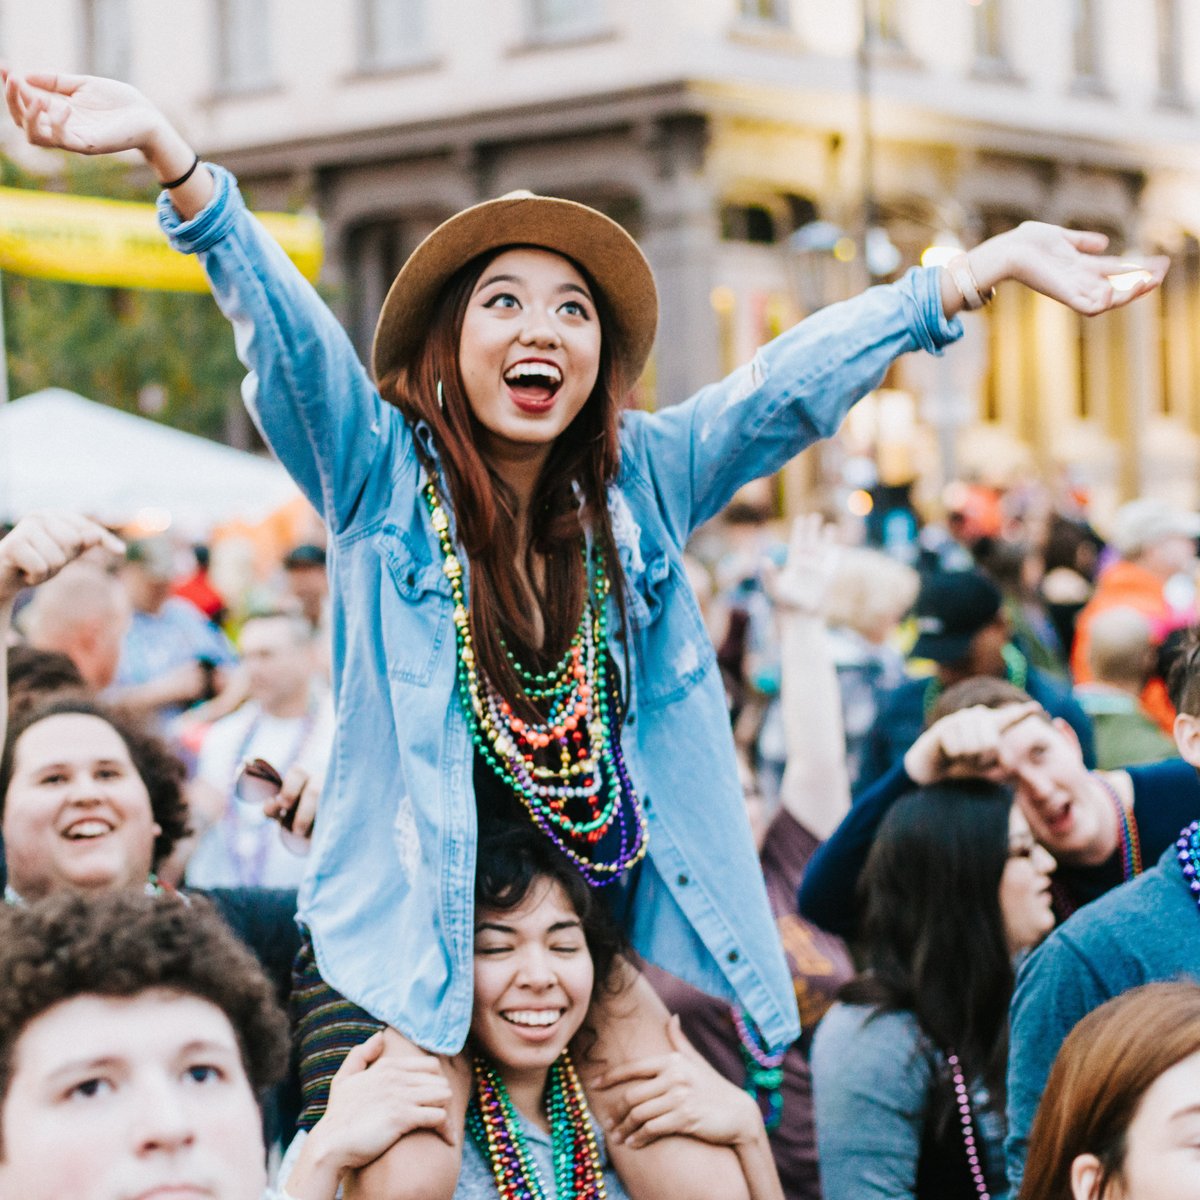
pixel 754 147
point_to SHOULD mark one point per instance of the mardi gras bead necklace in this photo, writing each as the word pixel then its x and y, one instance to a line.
pixel 567 770
pixel 1187 850
pixel 963 1100
pixel 1128 840
pixel 495 1127
pixel 764 1068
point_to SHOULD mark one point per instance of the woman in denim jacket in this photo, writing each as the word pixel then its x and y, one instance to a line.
pixel 487 493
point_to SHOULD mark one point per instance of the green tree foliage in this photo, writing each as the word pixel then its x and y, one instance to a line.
pixel 115 344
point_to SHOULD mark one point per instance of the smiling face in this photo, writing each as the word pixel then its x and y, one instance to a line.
pixel 76 814
pixel 529 351
pixel 1067 814
pixel 131 1098
pixel 533 980
pixel 1025 903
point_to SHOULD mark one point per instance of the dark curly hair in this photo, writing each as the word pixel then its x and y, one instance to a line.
pixel 122 944
pixel 511 860
pixel 35 676
pixel 160 769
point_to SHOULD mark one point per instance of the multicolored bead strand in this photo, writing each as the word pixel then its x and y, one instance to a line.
pixel 764 1068
pixel 1187 850
pixel 1127 832
pixel 574 754
pixel 1128 840
pixel 495 1127
pixel 963 1099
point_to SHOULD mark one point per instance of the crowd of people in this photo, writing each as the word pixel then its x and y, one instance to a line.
pixel 889 896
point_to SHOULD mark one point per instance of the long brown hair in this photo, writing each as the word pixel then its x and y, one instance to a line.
pixel 570 496
pixel 1105 1067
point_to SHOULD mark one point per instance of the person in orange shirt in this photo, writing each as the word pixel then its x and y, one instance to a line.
pixel 1156 542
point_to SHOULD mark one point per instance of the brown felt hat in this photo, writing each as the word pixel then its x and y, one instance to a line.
pixel 599 245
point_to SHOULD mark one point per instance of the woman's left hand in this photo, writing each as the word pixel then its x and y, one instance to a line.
pixel 1068 265
pixel 680 1094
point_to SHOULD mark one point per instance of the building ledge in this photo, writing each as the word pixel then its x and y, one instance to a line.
pixel 371 72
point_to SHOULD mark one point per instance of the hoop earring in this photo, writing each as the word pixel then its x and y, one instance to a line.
pixel 441 397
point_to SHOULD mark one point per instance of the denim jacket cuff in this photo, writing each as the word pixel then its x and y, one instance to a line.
pixel 210 224
pixel 933 329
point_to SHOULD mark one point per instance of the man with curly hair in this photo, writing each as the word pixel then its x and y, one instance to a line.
pixel 136 1034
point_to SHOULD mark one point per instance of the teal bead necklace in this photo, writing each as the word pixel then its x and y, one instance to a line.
pixel 567 770
pixel 495 1128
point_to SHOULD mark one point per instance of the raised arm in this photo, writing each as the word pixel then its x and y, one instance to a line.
pixel 816 783
pixel 799 387
pixel 36 550
pixel 307 391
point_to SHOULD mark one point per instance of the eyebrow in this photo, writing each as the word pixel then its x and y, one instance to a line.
pixel 97 762
pixel 557 927
pixel 562 287
pixel 1191 1110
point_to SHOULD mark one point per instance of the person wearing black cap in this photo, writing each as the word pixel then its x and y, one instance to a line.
pixel 962 629
pixel 308 582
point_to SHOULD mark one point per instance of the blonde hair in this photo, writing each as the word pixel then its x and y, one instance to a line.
pixel 870 590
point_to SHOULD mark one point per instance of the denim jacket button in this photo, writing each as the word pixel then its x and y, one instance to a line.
pixel 682 880
pixel 631 720
pixel 733 956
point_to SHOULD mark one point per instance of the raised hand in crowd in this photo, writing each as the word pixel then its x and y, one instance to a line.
pixel 373 1102
pixel 815 788
pixel 680 1093
pixel 965 745
pixel 36 550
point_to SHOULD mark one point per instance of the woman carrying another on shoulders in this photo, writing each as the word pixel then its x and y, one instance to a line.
pixel 514 636
pixel 908 1069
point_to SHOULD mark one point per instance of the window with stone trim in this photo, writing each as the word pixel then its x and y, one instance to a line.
pixel 768 12
pixel 555 18
pixel 243 45
pixel 392 32
pixel 1085 40
pixel 990 32
pixel 1169 33
pixel 107 38
pixel 883 22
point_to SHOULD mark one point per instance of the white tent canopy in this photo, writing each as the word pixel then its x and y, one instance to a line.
pixel 58 450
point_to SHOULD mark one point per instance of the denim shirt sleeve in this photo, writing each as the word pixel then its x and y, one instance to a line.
pixel 797 389
pixel 307 391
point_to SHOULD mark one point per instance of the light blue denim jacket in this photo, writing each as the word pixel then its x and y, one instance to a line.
pixel 389 892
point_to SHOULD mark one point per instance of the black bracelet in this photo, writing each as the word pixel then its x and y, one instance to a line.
pixel 184 177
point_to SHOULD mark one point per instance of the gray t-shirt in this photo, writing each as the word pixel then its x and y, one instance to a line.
pixel 476 1182
pixel 1146 931
pixel 872 1077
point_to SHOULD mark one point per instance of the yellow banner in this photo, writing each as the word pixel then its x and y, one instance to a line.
pixel 118 243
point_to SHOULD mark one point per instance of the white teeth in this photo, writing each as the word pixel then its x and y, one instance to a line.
pixel 534 370
pixel 537 1017
pixel 88 829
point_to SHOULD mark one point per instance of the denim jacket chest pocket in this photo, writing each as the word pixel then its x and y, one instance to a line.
pixel 673 648
pixel 416 605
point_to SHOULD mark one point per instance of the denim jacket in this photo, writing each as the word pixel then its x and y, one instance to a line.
pixel 389 892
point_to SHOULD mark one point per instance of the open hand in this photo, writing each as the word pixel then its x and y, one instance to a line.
pixel 679 1093
pixel 1067 265
pixel 801 583
pixel 43 543
pixel 82 113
